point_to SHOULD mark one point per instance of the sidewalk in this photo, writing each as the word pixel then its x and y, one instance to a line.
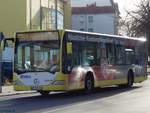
pixel 9 90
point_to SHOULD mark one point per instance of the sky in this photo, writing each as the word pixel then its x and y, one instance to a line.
pixel 126 4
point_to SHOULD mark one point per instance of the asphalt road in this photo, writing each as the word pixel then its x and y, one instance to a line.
pixel 106 100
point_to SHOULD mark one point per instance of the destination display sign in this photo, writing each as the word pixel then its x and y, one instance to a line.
pixel 37 36
pixel 89 38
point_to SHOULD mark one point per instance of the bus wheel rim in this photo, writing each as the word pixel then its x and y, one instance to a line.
pixel 89 84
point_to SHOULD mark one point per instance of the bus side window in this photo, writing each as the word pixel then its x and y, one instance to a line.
pixel 89 54
pixel 103 50
pixel 110 53
pixel 120 54
pixel 140 55
pixel 76 53
pixel 98 60
pixel 130 56
pixel 103 53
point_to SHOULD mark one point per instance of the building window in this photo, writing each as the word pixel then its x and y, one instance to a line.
pixel 81 29
pixel 49 15
pixel 60 20
pixel 81 19
pixel 60 15
pixel 52 20
pixel 90 19
pixel 90 30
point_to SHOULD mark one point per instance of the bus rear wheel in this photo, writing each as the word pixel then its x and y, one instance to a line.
pixel 89 84
pixel 44 93
pixel 130 79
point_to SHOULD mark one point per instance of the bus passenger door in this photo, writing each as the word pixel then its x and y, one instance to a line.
pixel 72 58
pixel 107 61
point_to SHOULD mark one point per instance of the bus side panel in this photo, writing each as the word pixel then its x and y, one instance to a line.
pixel 112 75
pixel 140 73
pixel 141 61
pixel 76 78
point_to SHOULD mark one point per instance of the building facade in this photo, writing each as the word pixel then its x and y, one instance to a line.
pixel 96 18
pixel 20 15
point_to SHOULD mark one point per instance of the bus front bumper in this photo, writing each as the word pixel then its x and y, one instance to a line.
pixel 42 88
pixel 24 84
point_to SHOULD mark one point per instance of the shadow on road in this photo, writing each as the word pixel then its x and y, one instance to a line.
pixel 36 103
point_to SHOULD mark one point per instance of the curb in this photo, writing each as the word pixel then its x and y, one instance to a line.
pixel 16 93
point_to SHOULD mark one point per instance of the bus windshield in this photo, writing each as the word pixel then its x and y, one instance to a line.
pixel 38 56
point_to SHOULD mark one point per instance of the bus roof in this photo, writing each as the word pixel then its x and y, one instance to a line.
pixel 89 33
pixel 108 35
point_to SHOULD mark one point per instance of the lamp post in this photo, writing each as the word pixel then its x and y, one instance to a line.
pixel 1 48
pixel 0 68
pixel 56 14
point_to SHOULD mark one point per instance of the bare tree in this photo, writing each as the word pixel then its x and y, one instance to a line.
pixel 137 22
pixel 125 26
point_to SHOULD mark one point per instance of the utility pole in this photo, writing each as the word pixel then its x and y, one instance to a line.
pixel 56 14
pixel 0 69
pixel 30 14
pixel 1 49
pixel 40 15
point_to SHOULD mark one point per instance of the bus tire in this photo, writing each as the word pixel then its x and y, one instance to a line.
pixel 130 79
pixel 44 93
pixel 89 83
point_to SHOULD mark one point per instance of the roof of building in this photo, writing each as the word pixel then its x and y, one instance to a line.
pixel 93 9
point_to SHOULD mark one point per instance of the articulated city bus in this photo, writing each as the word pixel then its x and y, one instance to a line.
pixel 65 60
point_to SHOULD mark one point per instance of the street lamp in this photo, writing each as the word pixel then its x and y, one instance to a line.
pixel 56 14
pixel 1 49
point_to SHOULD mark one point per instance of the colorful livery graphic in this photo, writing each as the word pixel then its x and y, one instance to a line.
pixel 65 60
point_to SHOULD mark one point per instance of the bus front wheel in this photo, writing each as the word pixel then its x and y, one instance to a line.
pixel 89 84
pixel 44 93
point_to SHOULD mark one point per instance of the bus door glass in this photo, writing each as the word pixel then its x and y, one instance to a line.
pixel 107 60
